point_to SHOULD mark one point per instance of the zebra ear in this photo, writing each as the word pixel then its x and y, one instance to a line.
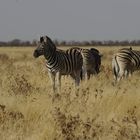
pixel 41 39
pixel 45 38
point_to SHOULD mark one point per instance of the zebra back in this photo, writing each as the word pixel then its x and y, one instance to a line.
pixel 75 58
pixel 124 62
pixel 130 56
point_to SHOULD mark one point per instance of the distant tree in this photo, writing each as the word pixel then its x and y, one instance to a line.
pixel 124 43
pixel 3 43
pixel 34 42
pixel 18 42
pixel 63 43
pixel 26 43
pixel 15 42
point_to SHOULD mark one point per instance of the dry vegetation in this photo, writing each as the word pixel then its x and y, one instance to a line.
pixel 99 110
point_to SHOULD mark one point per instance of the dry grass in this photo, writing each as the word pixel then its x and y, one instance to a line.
pixel 99 110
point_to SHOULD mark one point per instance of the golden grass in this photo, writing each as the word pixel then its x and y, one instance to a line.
pixel 99 110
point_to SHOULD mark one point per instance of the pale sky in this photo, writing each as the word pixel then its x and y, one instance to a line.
pixel 70 19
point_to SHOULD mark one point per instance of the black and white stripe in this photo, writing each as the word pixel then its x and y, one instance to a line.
pixel 60 62
pixel 125 62
pixel 97 56
pixel 91 62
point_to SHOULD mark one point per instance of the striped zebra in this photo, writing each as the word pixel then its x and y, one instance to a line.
pixel 59 62
pixel 91 62
pixel 97 56
pixel 125 62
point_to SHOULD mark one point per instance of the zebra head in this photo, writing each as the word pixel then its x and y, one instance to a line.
pixel 44 45
pixel 40 48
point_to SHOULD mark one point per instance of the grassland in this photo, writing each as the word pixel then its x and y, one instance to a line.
pixel 99 110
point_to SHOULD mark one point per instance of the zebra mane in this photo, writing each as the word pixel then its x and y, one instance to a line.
pixel 41 39
pixel 94 50
pixel 49 41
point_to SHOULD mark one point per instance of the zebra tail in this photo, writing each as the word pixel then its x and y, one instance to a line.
pixel 115 67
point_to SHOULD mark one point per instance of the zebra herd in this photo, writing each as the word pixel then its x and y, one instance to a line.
pixel 82 63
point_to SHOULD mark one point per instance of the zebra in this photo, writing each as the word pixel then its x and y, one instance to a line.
pixel 125 62
pixel 97 56
pixel 91 62
pixel 59 62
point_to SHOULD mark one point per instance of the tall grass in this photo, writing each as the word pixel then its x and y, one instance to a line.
pixel 98 110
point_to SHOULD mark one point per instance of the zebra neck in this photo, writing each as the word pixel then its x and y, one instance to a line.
pixel 50 55
pixel 50 52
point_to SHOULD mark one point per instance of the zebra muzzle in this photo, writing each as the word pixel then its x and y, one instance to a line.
pixel 35 54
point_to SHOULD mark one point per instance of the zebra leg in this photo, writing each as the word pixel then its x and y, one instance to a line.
pixel 77 79
pixel 81 74
pixel 121 74
pixel 52 78
pixel 95 72
pixel 115 73
pixel 58 79
pixel 84 73
pixel 130 73
pixel 115 68
pixel 126 73
pixel 88 75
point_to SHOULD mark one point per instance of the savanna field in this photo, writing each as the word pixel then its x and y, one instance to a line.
pixel 98 110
